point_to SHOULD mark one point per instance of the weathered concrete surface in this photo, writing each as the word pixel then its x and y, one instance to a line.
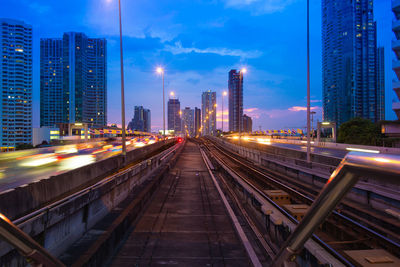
pixel 186 224
pixel 22 200
pixel 58 227
pixel 370 191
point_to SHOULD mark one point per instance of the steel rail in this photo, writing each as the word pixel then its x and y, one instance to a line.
pixel 285 213
pixel 246 243
pixel 310 201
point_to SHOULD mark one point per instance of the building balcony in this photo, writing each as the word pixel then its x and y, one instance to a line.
pixel 396 25
pixel 396 46
pixel 396 106
pixel 396 88
pixel 396 85
pixel 396 67
pixel 396 6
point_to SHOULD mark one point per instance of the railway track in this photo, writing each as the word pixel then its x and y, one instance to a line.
pixel 340 232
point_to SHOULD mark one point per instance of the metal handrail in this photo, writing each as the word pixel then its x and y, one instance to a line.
pixel 35 254
pixel 352 167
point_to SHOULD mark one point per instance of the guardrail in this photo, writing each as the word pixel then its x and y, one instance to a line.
pixel 353 166
pixel 332 145
pixel 34 252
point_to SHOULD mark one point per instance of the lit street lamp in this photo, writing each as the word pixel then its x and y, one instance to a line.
pixel 122 84
pixel 161 71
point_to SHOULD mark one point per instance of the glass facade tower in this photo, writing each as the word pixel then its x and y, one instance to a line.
pixel 209 113
pixel 188 122
pixel 73 80
pixel 174 118
pixel 349 61
pixel 235 86
pixel 15 83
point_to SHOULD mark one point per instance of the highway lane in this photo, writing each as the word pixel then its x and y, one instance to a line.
pixel 20 168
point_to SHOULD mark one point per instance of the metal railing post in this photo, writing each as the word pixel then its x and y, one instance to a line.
pixel 35 254
pixel 352 167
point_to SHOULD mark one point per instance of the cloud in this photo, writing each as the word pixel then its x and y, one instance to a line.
pixel 260 6
pixel 39 8
pixel 297 108
pixel 250 110
pixel 177 48
pixel 280 118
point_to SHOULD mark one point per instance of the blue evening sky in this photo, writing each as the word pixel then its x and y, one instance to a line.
pixel 198 42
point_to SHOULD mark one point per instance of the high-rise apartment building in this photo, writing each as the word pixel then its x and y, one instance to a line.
pixel 247 124
pixel 174 117
pixel 396 61
pixel 188 122
pixel 73 80
pixel 349 61
pixel 141 120
pixel 15 83
pixel 51 82
pixel 197 121
pixel 209 113
pixel 235 86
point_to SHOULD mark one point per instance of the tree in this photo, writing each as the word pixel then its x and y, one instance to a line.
pixel 22 146
pixel 359 131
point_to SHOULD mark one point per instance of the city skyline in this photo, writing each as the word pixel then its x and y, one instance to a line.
pixel 270 97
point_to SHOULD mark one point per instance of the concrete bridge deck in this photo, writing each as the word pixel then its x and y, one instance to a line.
pixel 186 223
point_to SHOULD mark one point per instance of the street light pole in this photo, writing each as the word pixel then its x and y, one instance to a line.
pixel 308 84
pixel 222 114
pixel 163 103
pixel 122 84
pixel 161 71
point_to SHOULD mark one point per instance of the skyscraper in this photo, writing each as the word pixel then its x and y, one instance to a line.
pixel 51 82
pixel 247 124
pixel 147 120
pixel 209 113
pixel 73 80
pixel 188 121
pixel 349 61
pixel 235 86
pixel 141 120
pixel 396 50
pixel 174 118
pixel 15 83
pixel 197 121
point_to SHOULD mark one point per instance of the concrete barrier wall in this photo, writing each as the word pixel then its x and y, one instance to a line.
pixel 59 227
pixel 25 199
pixel 369 190
pixel 388 150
